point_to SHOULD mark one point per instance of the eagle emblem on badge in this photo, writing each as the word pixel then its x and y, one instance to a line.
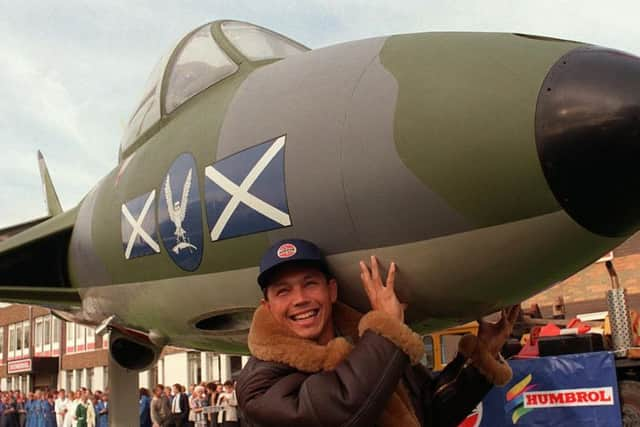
pixel 177 212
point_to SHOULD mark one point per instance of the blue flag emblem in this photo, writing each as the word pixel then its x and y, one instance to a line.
pixel 179 213
pixel 245 192
pixel 138 225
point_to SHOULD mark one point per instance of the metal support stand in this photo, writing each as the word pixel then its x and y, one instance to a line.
pixel 123 396
pixel 618 314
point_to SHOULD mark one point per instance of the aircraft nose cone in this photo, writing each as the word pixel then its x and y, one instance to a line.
pixel 588 138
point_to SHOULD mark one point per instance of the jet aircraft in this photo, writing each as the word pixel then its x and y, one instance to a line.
pixel 487 165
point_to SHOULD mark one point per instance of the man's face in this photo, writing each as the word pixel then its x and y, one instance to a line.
pixel 175 390
pixel 300 298
pixel 62 395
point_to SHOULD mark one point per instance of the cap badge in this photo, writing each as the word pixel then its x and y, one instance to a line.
pixel 287 250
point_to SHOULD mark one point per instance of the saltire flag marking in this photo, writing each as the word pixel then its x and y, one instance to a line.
pixel 138 224
pixel 245 192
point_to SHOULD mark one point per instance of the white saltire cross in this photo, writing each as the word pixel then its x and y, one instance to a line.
pixel 241 193
pixel 137 226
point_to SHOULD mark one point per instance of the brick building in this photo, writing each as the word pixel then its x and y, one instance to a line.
pixel 585 291
pixel 38 350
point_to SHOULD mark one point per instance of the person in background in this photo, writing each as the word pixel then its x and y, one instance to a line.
pixel 102 411
pixel 167 392
pixel 145 403
pixel 38 408
pixel 28 406
pixel 192 415
pixel 211 401
pixel 48 410
pixel 74 400
pixel 160 409
pixel 179 407
pixel 61 407
pixel 199 401
pixel 82 412
pixel 228 417
pixel 8 416
pixel 22 412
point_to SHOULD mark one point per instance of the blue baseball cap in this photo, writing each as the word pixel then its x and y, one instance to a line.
pixel 287 251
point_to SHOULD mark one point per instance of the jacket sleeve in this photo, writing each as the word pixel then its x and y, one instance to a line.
pixel 464 382
pixel 455 392
pixel 352 395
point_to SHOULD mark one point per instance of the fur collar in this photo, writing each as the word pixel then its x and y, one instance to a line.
pixel 270 341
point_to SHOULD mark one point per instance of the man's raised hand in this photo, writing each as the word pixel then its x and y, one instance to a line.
pixel 382 296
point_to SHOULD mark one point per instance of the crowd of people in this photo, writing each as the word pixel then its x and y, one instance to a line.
pixel 44 408
pixel 204 405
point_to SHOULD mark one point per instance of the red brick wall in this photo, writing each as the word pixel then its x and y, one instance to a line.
pixel 592 283
pixel 87 359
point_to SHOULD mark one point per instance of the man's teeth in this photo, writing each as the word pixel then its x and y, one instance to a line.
pixel 306 315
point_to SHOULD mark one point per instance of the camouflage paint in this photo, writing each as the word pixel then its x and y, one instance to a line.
pixel 465 119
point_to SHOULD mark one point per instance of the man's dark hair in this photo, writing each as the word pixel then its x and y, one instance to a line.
pixel 322 268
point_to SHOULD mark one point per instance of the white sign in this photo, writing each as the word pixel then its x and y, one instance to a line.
pixel 19 366
pixel 601 396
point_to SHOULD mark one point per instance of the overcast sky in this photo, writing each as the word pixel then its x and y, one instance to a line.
pixel 72 71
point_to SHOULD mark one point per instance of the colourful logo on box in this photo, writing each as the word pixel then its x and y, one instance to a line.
pixel 515 398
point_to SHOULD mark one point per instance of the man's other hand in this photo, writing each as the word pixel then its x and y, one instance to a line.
pixel 494 335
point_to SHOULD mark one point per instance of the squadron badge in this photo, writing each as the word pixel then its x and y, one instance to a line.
pixel 179 213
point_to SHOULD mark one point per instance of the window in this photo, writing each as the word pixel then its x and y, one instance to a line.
pixel 91 338
pixel 69 383
pixel 80 338
pixel 71 337
pixel 449 344
pixel 199 64
pixel 1 343
pixel 56 330
pixel 427 359
pixel 47 331
pixel 148 111
pixel 194 367
pixel 79 378
pixel 12 341
pixel 38 337
pixel 26 328
pixel 90 378
pixel 55 343
pixel 19 339
pixel 257 43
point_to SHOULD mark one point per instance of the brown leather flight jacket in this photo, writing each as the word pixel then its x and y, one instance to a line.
pixel 378 381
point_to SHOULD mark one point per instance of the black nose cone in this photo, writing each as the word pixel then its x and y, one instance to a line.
pixel 588 138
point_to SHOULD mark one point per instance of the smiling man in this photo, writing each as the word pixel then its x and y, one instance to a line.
pixel 317 362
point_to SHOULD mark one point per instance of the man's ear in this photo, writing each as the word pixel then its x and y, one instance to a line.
pixel 265 303
pixel 333 290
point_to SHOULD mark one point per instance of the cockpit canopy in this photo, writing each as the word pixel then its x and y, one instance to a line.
pixel 202 58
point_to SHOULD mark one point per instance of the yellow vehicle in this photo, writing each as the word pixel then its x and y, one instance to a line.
pixel 441 347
